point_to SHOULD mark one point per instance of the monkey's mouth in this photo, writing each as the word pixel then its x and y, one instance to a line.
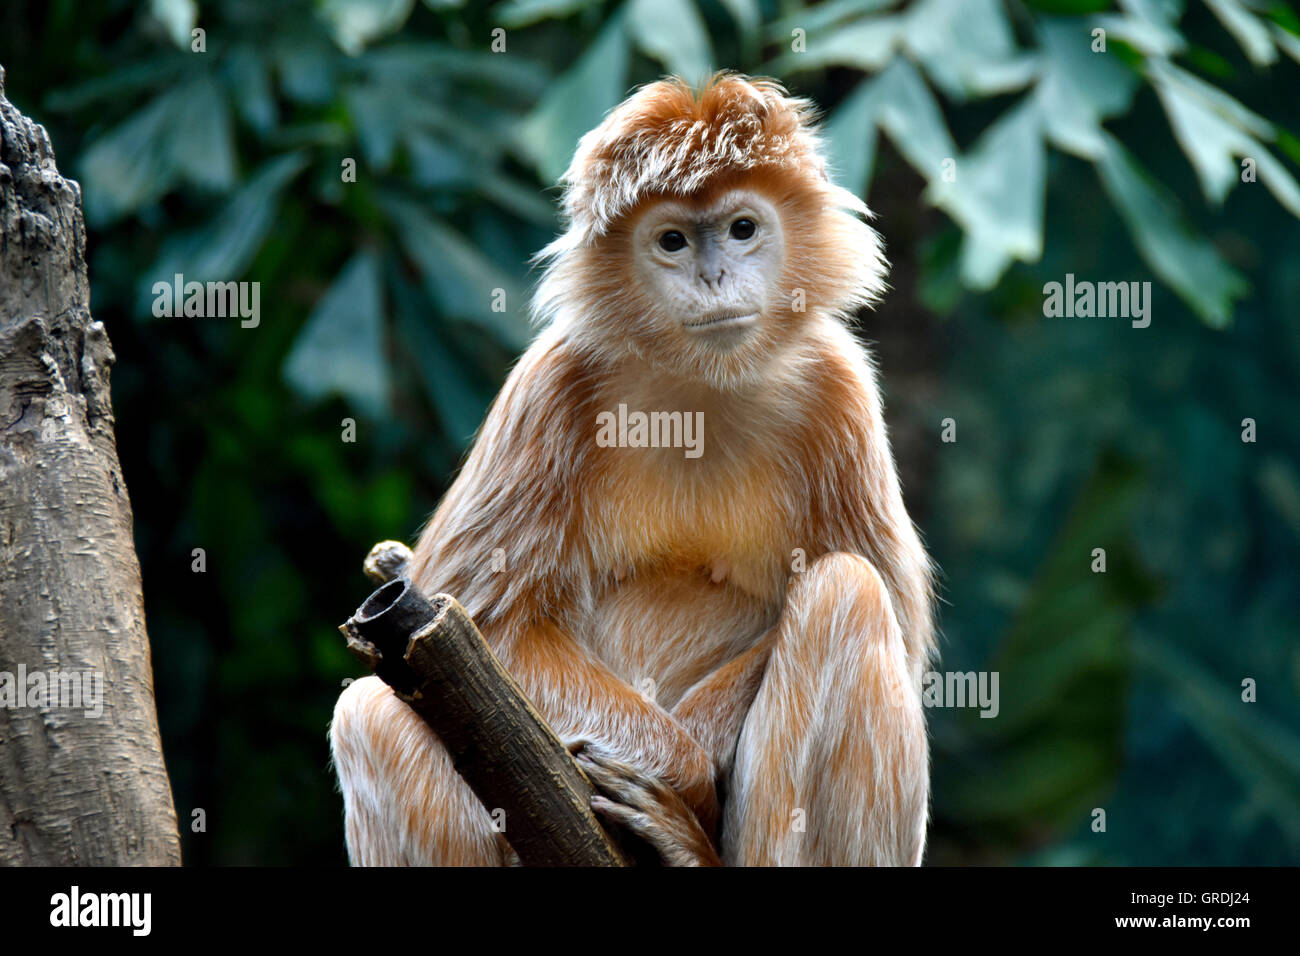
pixel 714 321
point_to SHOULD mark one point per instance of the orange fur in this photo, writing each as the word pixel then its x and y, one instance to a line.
pixel 667 140
pixel 631 570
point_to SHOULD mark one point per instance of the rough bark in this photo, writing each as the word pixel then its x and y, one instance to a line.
pixel 75 788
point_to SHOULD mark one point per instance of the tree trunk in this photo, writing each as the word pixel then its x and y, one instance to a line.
pixel 82 779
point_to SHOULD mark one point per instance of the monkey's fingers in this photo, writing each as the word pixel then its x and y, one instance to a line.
pixel 649 809
pixel 387 561
pixel 618 780
pixel 679 842
pixel 575 745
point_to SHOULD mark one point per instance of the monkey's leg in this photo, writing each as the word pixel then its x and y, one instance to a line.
pixel 832 766
pixel 404 803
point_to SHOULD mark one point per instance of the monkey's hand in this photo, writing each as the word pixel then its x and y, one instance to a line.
pixel 644 806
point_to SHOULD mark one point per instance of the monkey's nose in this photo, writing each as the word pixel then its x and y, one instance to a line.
pixel 714 279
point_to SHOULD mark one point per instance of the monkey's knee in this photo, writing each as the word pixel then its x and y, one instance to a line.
pixel 840 611
pixel 840 664
pixel 404 804
pixel 840 600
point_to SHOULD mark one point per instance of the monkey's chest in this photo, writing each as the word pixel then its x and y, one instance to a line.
pixel 662 631
pixel 694 574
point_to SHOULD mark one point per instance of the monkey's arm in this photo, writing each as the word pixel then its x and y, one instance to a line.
pixel 714 709
pixel 585 703
pixel 856 505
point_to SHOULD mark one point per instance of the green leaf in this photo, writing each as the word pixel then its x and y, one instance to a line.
pixel 461 401
pixel 1283 17
pixel 1263 754
pixel 1209 140
pixel 183 134
pixel 520 199
pixel 1069 6
pixel 435 162
pixel 967 47
pixel 851 138
pixel 250 81
pixel 822 17
pixel 1248 30
pixel 671 32
pixel 939 288
pixel 899 102
pixel 385 112
pixel 911 116
pixel 1152 37
pixel 178 18
pixel 306 67
pixel 576 102
pixel 1229 108
pixel 1079 89
pixel 426 68
pixel 128 167
pixel 1278 180
pixel 1208 62
pixel 867 45
pixel 201 139
pixel 524 13
pixel 1216 130
pixel 996 196
pixel 1057 741
pixel 120 86
pixel 224 248
pixel 1279 486
pixel 1289 42
pixel 1180 257
pixel 341 348
pixel 356 23
pixel 458 277
pixel 748 19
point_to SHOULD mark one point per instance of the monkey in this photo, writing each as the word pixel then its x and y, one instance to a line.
pixel 731 644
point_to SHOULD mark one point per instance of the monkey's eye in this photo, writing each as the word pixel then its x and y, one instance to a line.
pixel 671 241
pixel 742 229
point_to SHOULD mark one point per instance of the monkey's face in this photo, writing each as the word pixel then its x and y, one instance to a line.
pixel 719 285
pixel 711 266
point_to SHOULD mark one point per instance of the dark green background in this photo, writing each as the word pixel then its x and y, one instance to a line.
pixel 1120 691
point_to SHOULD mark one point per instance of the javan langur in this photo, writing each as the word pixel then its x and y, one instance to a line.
pixel 730 635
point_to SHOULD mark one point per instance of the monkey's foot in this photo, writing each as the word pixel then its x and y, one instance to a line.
pixel 387 561
pixel 646 807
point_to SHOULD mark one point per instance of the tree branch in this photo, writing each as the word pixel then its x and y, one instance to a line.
pixel 436 660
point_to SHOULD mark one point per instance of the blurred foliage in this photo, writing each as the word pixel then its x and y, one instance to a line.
pixel 1120 691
